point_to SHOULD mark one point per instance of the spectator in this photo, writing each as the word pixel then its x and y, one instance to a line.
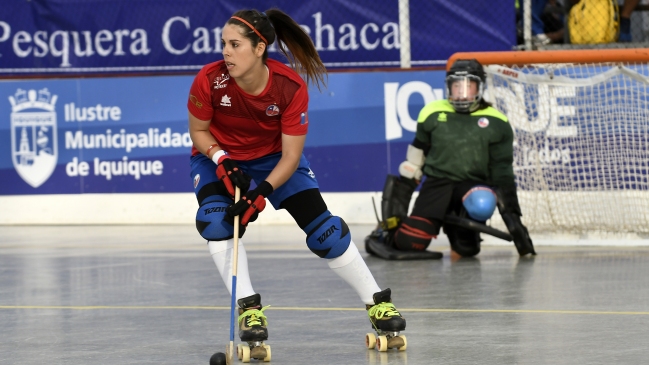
pixel 625 20
pixel 547 23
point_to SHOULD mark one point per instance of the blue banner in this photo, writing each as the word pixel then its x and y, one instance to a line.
pixel 99 36
pixel 130 135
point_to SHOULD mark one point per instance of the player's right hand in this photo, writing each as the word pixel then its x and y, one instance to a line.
pixel 229 172
pixel 409 170
pixel 411 167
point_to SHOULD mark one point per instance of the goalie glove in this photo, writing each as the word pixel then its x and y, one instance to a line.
pixel 510 211
pixel 411 167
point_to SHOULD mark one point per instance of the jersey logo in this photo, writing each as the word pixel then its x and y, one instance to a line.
pixel 305 118
pixel 483 122
pixel 195 101
pixel 442 117
pixel 220 81
pixel 34 149
pixel 272 110
pixel 225 101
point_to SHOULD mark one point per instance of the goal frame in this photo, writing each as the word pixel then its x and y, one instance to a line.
pixel 568 58
pixel 518 58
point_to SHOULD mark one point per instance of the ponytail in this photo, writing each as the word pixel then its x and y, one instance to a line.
pixel 275 25
pixel 301 52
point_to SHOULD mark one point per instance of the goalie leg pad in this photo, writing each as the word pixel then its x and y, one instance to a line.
pixel 211 222
pixel 395 201
pixel 480 203
pixel 415 233
pixel 328 236
pixel 465 242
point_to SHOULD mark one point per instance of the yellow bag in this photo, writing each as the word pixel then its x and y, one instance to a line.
pixel 594 21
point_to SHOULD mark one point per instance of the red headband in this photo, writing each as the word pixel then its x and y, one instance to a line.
pixel 251 27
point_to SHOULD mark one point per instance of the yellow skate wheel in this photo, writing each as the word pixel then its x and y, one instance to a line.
pixel 370 340
pixel 245 353
pixel 267 358
pixel 239 351
pixel 382 343
pixel 405 343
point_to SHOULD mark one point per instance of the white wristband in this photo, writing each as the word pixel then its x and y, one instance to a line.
pixel 217 155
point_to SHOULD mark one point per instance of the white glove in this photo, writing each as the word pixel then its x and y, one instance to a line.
pixel 411 167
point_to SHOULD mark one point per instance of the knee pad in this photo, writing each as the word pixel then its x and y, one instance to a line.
pixel 328 236
pixel 211 220
pixel 415 234
pixel 463 241
pixel 480 203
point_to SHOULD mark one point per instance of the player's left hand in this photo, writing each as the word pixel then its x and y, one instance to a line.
pixel 519 233
pixel 251 204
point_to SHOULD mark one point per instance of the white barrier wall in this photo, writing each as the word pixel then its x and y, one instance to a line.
pixel 170 208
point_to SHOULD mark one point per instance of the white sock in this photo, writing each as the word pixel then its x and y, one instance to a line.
pixel 351 267
pixel 221 252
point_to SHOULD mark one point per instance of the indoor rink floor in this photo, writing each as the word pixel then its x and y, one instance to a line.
pixel 117 295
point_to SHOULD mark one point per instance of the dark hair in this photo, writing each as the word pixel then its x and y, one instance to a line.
pixel 293 41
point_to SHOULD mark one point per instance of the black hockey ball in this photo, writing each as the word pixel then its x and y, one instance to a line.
pixel 217 359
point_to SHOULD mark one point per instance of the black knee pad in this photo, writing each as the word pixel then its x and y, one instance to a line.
pixel 415 233
pixel 464 242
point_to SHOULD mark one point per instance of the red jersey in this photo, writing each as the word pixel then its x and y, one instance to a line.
pixel 246 126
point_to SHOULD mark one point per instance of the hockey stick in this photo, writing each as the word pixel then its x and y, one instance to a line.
pixel 478 227
pixel 229 351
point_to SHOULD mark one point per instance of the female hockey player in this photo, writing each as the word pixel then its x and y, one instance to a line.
pixel 248 120
pixel 464 147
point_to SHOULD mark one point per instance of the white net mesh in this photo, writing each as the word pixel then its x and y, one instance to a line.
pixel 581 156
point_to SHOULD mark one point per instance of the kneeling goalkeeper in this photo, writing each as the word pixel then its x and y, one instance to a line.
pixel 464 147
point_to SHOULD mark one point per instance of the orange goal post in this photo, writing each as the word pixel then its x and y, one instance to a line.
pixel 581 151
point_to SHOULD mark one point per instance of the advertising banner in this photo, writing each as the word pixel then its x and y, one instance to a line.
pixel 48 37
pixel 130 134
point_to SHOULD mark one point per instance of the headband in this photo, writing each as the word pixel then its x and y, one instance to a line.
pixel 251 27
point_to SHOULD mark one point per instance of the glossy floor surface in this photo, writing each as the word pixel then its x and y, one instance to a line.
pixel 80 295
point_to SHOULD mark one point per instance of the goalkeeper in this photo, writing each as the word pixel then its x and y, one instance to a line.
pixel 464 147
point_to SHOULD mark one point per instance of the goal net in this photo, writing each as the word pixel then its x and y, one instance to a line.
pixel 581 124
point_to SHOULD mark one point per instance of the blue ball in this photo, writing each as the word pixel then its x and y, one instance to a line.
pixel 480 203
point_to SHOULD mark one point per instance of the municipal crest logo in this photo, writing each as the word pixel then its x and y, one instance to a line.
pixel 33 135
pixel 483 122
pixel 272 110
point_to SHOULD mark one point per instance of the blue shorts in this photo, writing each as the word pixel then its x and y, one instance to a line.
pixel 204 172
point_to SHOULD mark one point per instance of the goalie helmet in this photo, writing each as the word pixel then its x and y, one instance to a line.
pixel 465 84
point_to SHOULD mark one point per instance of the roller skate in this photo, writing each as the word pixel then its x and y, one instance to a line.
pixel 252 330
pixel 387 322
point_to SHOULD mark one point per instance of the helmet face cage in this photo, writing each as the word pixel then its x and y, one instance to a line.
pixel 461 93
